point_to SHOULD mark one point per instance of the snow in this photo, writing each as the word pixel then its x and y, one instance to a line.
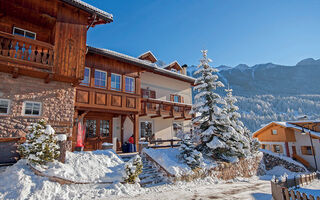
pixel 169 160
pixel 96 166
pixel 61 137
pixel 311 189
pixel 288 159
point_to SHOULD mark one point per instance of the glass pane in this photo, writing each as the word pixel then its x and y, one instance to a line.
pixel 86 79
pixel 104 128
pixel 28 111
pixel 4 105
pixel 100 79
pixel 115 82
pixel 18 32
pixel 30 35
pixel 146 130
pixel 91 126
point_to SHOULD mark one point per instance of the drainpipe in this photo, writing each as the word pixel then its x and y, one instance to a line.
pixel 313 151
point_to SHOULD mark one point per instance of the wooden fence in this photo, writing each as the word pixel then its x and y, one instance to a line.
pixel 158 143
pixel 280 189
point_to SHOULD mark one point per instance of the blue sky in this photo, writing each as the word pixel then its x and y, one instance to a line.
pixel 233 31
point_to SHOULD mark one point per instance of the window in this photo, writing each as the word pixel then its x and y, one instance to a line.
pixel 274 132
pixel 147 93
pixel 4 106
pixel 86 79
pixel 177 128
pixel 130 84
pixel 277 148
pixel 100 78
pixel 32 108
pixel 24 33
pixel 91 127
pixel 115 82
pixel 263 146
pixel 306 150
pixel 104 128
pixel 146 130
pixel 176 98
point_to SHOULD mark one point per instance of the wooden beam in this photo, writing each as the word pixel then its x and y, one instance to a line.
pixel 168 117
pixel 155 116
pixel 179 118
pixel 136 131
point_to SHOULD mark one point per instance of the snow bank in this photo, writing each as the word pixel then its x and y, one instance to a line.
pixel 19 181
pixel 288 159
pixel 168 159
pixel 95 166
pixel 311 189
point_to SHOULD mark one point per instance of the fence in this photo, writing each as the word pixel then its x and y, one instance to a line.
pixel 158 143
pixel 280 189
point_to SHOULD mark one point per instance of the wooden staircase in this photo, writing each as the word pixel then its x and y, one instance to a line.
pixel 303 161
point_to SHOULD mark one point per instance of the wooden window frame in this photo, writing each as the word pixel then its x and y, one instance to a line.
pixel 8 108
pixel 274 132
pixel 304 150
pixel 106 79
pixel 24 31
pixel 280 148
pixel 115 89
pixel 133 84
pixel 87 84
pixel 172 96
pixel 33 102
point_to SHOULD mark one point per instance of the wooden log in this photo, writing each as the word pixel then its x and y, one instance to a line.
pixel 286 194
pixel 292 195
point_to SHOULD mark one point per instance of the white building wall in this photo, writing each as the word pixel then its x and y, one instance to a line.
pixel 304 140
pixel 163 128
pixel 277 143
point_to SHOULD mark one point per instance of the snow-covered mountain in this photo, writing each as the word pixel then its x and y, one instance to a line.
pixel 268 92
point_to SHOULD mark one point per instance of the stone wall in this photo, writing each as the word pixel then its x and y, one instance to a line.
pixel 57 100
pixel 243 168
pixel 273 161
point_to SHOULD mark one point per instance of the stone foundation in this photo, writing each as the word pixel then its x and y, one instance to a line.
pixel 57 100
pixel 272 161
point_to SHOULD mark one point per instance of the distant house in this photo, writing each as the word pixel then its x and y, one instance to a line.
pixel 297 139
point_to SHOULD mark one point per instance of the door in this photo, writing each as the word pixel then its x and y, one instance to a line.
pixel 98 131
pixel 294 151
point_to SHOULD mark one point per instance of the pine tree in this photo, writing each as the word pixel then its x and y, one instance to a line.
pixel 205 108
pixel 41 144
pixel 189 154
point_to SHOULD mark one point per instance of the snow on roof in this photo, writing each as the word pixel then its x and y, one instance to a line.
pixel 148 52
pixel 141 63
pixel 290 124
pixel 89 8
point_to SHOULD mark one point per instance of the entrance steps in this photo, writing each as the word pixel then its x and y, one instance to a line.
pixel 151 175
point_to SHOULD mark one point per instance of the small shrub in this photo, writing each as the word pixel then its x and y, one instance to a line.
pixel 41 144
pixel 133 168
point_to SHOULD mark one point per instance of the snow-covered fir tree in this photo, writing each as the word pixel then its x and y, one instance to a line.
pixel 188 152
pixel 206 106
pixel 132 169
pixel 41 144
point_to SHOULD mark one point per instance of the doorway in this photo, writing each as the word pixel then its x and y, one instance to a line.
pixel 98 131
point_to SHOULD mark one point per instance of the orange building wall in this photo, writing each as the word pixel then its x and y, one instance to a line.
pixel 283 134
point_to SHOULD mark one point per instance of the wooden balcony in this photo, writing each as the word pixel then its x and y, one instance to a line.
pixel 20 53
pixel 95 99
pixel 158 108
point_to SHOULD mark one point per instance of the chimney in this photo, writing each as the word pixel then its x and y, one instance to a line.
pixel 184 69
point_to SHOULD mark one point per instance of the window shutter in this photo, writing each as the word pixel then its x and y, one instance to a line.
pixel 281 148
pixel 152 94
pixel 182 99
pixel 171 97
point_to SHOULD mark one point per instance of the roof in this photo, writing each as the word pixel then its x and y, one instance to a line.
pixel 90 9
pixel 291 125
pixel 141 63
pixel 148 54
pixel 172 64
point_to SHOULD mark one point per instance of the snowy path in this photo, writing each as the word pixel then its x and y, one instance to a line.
pixel 251 189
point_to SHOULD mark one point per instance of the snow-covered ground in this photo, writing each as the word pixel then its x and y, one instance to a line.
pixel 19 182
pixel 168 159
pixel 311 189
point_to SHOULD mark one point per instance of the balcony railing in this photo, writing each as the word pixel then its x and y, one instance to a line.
pixel 166 109
pixel 26 51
